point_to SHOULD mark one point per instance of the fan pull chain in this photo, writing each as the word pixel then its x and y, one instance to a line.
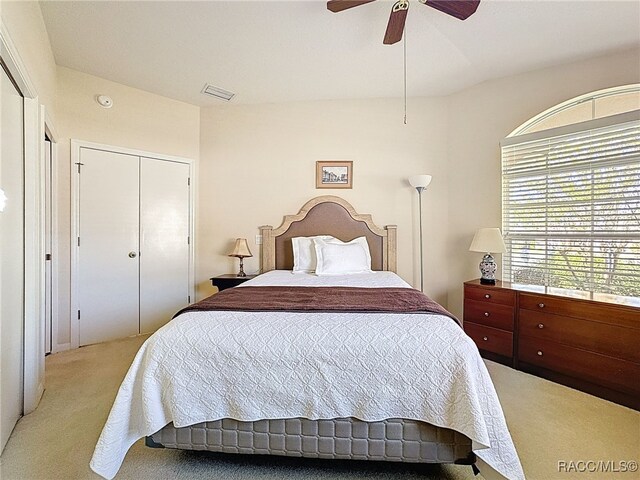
pixel 404 37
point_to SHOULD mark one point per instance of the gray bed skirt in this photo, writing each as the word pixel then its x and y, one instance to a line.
pixel 394 440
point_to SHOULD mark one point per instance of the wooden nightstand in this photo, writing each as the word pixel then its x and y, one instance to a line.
pixel 489 319
pixel 229 280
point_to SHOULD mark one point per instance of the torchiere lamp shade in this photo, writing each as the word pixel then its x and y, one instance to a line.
pixel 420 181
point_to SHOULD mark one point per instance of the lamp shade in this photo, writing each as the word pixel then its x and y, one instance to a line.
pixel 241 249
pixel 488 240
pixel 420 181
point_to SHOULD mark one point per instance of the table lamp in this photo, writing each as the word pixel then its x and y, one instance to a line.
pixel 488 240
pixel 241 250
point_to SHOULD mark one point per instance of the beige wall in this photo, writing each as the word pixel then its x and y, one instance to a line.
pixel 258 163
pixel 480 117
pixel 137 120
pixel 26 28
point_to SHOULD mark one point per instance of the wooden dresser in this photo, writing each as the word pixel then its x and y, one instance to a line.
pixel 489 318
pixel 588 345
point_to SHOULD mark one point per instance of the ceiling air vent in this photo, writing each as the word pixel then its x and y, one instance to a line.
pixel 217 92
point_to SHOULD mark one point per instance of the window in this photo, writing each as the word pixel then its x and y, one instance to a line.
pixel 602 103
pixel 571 208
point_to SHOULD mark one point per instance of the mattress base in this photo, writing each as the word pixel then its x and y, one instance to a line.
pixel 391 440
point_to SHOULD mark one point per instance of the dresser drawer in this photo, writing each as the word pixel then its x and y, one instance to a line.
pixel 588 310
pixel 490 314
pixel 491 295
pixel 600 369
pixel 490 339
pixel 612 340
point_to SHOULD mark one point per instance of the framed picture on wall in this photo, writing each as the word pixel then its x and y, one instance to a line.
pixel 334 174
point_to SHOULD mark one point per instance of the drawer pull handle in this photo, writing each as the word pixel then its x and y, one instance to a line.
pixel 541 305
pixel 486 314
pixel 486 295
pixel 541 325
pixel 485 338
pixel 539 353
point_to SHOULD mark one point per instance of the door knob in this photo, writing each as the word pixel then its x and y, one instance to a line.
pixel 132 254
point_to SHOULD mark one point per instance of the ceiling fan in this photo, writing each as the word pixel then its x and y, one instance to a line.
pixel 461 9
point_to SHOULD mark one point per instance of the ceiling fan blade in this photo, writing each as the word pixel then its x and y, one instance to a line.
pixel 340 5
pixel 461 9
pixel 395 27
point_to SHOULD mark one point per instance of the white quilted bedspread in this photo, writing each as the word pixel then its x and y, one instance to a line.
pixel 204 366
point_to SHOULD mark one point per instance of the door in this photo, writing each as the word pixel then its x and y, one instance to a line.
pixel 108 240
pixel 11 255
pixel 164 239
pixel 134 245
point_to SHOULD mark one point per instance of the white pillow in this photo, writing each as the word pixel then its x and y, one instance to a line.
pixel 304 253
pixel 338 258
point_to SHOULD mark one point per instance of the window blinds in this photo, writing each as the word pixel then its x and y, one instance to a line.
pixel 571 206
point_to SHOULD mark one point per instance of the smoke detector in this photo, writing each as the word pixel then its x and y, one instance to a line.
pixel 104 101
pixel 217 92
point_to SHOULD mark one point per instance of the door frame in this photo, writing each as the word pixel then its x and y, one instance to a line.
pixel 33 321
pixel 76 146
pixel 51 132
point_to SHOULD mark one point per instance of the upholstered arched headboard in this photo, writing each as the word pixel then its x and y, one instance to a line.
pixel 327 215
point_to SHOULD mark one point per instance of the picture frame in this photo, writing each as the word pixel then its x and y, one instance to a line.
pixel 334 174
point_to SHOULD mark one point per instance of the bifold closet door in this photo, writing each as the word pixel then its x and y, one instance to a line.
pixel 164 241
pixel 108 272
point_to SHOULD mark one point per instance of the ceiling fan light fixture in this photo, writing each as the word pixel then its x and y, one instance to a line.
pixel 460 9
pixel 217 92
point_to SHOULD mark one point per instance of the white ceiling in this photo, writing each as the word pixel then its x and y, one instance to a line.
pixel 274 51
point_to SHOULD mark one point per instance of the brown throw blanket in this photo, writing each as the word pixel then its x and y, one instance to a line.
pixel 320 299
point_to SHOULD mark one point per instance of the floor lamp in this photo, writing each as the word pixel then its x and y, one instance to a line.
pixel 420 182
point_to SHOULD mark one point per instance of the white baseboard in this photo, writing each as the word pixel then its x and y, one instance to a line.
pixel 28 408
pixel 60 347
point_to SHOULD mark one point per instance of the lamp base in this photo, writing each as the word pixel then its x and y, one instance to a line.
pixel 488 270
pixel 241 272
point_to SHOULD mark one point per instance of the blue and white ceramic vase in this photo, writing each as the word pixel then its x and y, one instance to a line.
pixel 488 270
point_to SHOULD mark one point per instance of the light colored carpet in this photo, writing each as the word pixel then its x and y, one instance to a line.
pixel 549 423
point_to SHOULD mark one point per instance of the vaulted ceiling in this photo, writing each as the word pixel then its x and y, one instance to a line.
pixel 275 51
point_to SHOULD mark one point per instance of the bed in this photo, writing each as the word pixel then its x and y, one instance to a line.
pixel 359 384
